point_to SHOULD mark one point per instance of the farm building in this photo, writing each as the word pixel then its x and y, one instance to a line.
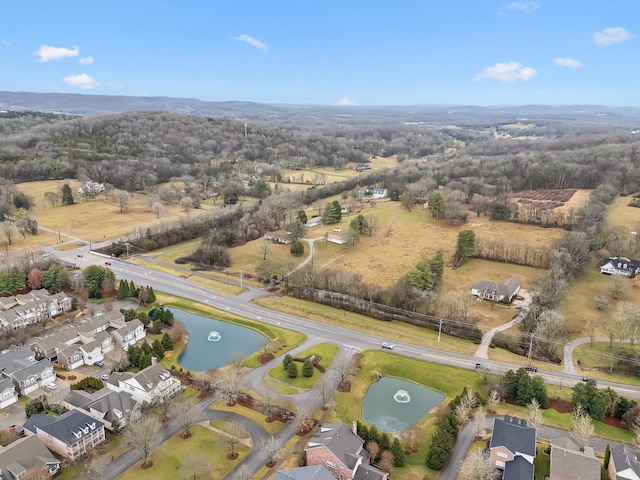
pixel 338 239
pixel 496 292
pixel 314 221
pixel 620 266
pixel 283 238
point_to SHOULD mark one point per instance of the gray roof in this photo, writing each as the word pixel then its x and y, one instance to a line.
pixel 20 353
pixel 6 383
pixel 316 472
pixel 68 427
pixel 568 462
pixel 340 440
pixel 514 434
pixel 24 454
pixel 507 289
pixel 104 401
pixel 368 472
pixel 150 377
pixel 33 369
pixel 129 327
pixel 519 469
pixel 624 458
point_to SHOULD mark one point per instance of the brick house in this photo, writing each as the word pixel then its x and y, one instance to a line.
pixel 340 450
pixel 513 448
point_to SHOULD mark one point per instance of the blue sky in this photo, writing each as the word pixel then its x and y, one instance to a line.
pixel 365 52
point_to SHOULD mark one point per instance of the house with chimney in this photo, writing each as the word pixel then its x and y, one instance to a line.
pixel 569 463
pixel 71 435
pixel 498 292
pixel 341 451
pixel 513 448
pixel 148 385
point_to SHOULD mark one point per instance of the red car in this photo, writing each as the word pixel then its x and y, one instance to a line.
pixel 107 263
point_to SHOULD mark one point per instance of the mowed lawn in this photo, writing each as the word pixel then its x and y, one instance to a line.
pixel 620 214
pixel 96 219
pixel 177 456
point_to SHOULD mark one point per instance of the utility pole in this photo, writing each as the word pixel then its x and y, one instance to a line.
pixel 530 347
pixel 439 331
pixel 241 279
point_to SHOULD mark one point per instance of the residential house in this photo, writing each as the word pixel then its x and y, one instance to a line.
pixel 338 239
pixel 283 238
pixel 25 372
pixel 620 266
pixel 503 292
pixel 24 454
pixel 624 463
pixel 72 434
pixel 70 357
pixel 22 310
pixel 91 188
pixel 513 448
pixel 148 385
pixel 8 394
pixel 377 193
pixel 131 333
pixel 115 409
pixel 316 472
pixel 340 450
pixel 569 463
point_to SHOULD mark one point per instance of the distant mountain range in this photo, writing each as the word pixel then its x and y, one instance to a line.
pixel 78 104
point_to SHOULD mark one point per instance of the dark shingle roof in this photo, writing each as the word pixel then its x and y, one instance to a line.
pixel 340 440
pixel 316 472
pixel 68 427
pixel 368 472
pixel 23 454
pixel 514 434
pixel 507 289
pixel 518 469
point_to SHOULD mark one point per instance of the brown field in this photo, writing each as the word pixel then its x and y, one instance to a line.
pixel 553 195
pixel 94 219
pixel 623 215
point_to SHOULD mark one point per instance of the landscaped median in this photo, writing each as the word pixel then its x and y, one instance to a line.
pixel 324 352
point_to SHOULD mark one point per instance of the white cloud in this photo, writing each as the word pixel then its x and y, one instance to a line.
pixel 527 6
pixel 254 42
pixel 115 85
pixel 84 81
pixel 47 52
pixel 4 41
pixel 347 101
pixel 611 35
pixel 507 72
pixel 568 62
pixel 85 60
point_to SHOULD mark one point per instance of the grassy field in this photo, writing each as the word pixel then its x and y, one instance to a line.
pixel 205 447
pixel 326 351
pixel 400 332
pixel 595 362
pixel 620 214
pixel 80 219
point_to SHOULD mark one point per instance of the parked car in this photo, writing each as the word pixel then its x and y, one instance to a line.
pixel 107 263
pixel 79 255
pixel 482 366
pixel 388 346
pixel 19 429
pixel 586 379
pixel 531 368
pixel 104 376
pixel 99 364
pixel 51 386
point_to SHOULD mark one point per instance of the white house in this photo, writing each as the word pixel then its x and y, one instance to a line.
pixel 620 266
pixel 153 383
pixel 8 394
pixel 25 372
pixel 131 333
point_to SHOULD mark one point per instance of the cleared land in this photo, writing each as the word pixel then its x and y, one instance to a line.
pixel 96 219
pixel 622 215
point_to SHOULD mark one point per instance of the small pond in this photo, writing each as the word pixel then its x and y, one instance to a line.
pixel 393 404
pixel 214 343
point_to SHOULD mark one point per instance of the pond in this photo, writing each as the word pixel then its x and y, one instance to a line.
pixel 214 343
pixel 393 404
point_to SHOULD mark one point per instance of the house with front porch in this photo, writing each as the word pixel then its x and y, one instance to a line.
pixel 71 435
pixel 620 266
pixel 148 385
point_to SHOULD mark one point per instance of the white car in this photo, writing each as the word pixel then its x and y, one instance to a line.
pixel 51 386
pixel 104 376
pixel 388 346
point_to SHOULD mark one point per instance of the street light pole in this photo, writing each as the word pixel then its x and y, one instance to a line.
pixel 439 331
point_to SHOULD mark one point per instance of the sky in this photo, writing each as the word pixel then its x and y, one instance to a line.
pixel 328 52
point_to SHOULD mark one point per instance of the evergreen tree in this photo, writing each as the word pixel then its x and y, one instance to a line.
pixel 152 296
pixel 307 368
pixel 158 349
pixel 292 370
pixel 436 204
pixel 167 342
pixel 437 266
pixel 465 247
pixel 133 354
pixel 132 289
pixel 363 432
pixel 398 453
pixel 144 361
pixel 67 196
pixel 607 457
pixel 123 289
pixel 332 212
pixel 286 361
pixel 17 279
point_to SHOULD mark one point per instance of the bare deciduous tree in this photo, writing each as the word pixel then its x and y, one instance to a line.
pixel 195 466
pixel 122 198
pixel 228 383
pixel 478 467
pixel 325 391
pixel 478 420
pixel 534 413
pixel 467 403
pixel 158 209
pixel 185 416
pixel 270 449
pixel 386 461
pixel 165 406
pixel 619 285
pixel 344 368
pixel 233 438
pixel 142 434
pixel 305 420
pixel 374 449
pixel 581 427
pixel 186 203
pixel 98 468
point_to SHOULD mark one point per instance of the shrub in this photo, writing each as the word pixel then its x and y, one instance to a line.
pixel 297 248
pixel 292 370
pixel 307 368
pixel 286 361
